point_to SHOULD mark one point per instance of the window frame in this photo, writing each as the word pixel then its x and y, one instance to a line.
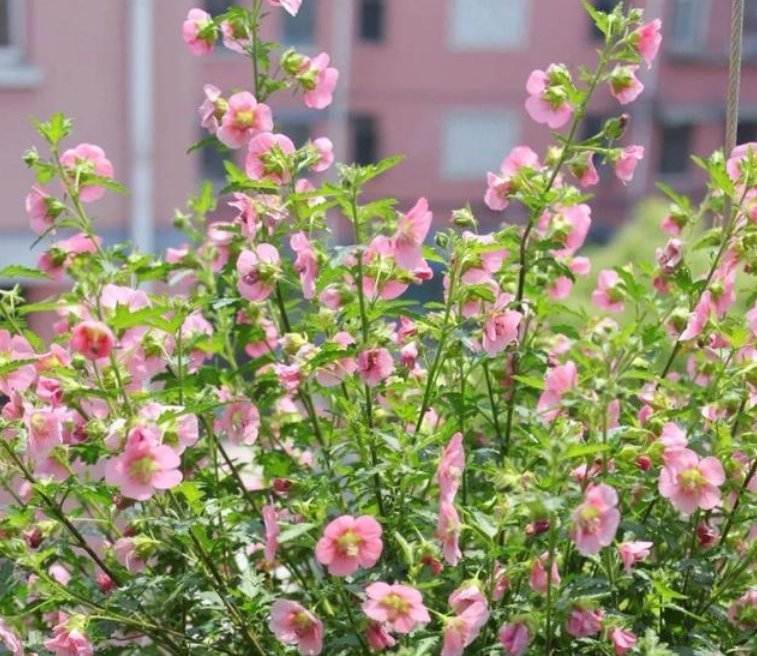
pixel 690 128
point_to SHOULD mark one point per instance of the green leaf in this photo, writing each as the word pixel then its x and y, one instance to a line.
pixel 55 129
pixel 18 271
pixel 289 534
pixel 484 524
pixel 9 367
pixel 530 381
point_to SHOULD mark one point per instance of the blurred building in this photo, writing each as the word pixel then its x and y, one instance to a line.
pixel 439 80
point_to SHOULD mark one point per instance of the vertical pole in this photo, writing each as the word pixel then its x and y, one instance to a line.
pixel 141 107
pixel 734 75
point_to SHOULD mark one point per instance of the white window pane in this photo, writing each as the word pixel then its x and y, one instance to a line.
pixel 487 24
pixel 476 141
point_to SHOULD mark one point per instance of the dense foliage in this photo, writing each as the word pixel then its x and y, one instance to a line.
pixel 257 445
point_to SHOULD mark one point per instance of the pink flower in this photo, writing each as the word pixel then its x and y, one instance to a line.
pixel 268 157
pixel 143 467
pixel 515 638
pixel 670 257
pixel 583 622
pixel 539 579
pixel 290 6
pixel 349 543
pixel 127 553
pixel 626 163
pixel 272 532
pixel 501 186
pixel 212 109
pixel 608 295
pixel 44 432
pixel 571 226
pixel 306 263
pixel 69 642
pixel 82 162
pixel 448 533
pixel 624 84
pixel 319 81
pixel 743 612
pixel 235 35
pixel 258 269
pixel 325 151
pixel 672 224
pixel 623 641
pixel 399 607
pixel 583 168
pixel 547 101
pixel 698 319
pixel 464 597
pixel 198 32
pixel 596 520
pixel 244 118
pixel 462 630
pixel 407 242
pixel 751 319
pixel 93 339
pixel 633 552
pixel 501 326
pixel 39 208
pixel 12 350
pixel 647 40
pixel 558 381
pixel 241 421
pixel 738 155
pixel 293 624
pixel 374 365
pixel 10 640
pixel 56 259
pixel 378 637
pixel 451 468
pixel 691 483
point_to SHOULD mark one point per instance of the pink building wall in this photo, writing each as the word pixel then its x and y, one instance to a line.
pixel 410 82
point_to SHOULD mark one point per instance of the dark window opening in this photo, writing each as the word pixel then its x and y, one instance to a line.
pixel 605 6
pixel 218 7
pixel 365 146
pixel 750 19
pixel 211 165
pixel 372 17
pixel 299 131
pixel 676 146
pixel 300 29
pixel 5 23
pixel 747 132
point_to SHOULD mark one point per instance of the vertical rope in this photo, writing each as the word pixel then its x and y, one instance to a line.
pixel 734 75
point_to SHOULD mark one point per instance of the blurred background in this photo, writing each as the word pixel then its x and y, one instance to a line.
pixel 442 81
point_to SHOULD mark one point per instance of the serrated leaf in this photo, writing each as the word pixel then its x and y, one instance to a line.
pixel 292 532
pixel 18 271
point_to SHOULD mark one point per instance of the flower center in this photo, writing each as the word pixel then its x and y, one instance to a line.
pixel 691 480
pixel 395 605
pixel 349 543
pixel 302 622
pixel 142 469
pixel 244 119
pixel 590 518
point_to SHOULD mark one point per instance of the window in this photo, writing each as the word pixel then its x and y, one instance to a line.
pixel 686 30
pixel 747 132
pixel 211 165
pixel 218 7
pixel 487 24
pixel 11 32
pixel 364 139
pixel 675 149
pixel 300 29
pixel 750 19
pixel 372 15
pixel 476 141
pixel 605 6
pixel 296 128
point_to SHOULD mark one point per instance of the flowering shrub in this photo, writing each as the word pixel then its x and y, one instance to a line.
pixel 257 445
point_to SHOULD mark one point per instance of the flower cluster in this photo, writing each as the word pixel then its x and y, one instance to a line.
pixel 258 443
